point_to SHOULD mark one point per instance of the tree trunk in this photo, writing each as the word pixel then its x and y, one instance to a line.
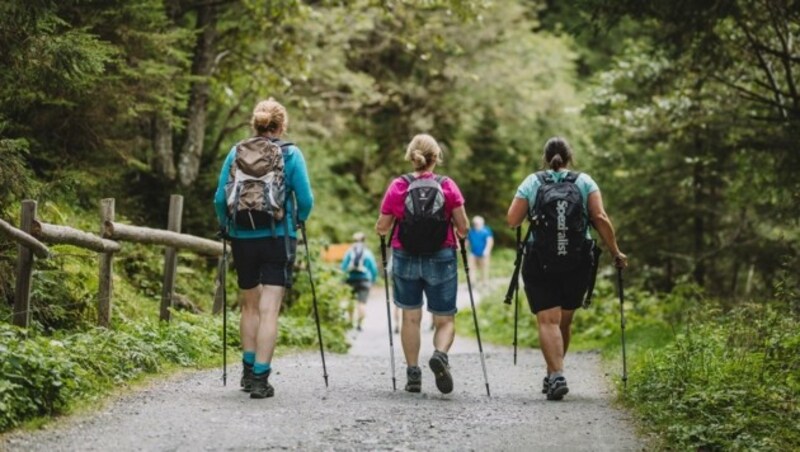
pixel 192 149
pixel 162 145
pixel 698 222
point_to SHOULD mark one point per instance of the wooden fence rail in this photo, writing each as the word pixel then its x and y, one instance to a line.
pixel 56 234
pixel 25 239
pixel 141 234
pixel 33 232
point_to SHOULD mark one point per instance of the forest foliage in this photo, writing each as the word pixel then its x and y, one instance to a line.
pixel 686 113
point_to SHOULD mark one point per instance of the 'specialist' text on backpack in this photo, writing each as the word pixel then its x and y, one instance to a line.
pixel 256 190
pixel 424 226
pixel 559 225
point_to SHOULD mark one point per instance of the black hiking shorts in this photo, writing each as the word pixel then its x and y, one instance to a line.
pixel 263 261
pixel 564 290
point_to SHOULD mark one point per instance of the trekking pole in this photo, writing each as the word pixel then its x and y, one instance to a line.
pixel 388 309
pixel 222 279
pixel 474 313
pixel 314 300
pixel 516 295
pixel 622 325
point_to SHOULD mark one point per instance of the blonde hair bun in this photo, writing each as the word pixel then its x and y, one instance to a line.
pixel 269 117
pixel 423 152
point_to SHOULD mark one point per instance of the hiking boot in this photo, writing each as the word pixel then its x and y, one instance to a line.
pixel 261 388
pixel 558 389
pixel 414 375
pixel 546 385
pixel 441 370
pixel 247 377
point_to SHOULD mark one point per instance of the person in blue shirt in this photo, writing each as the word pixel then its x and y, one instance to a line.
pixel 264 257
pixel 361 272
pixel 553 298
pixel 481 241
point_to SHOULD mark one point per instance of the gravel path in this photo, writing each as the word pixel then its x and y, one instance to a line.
pixel 359 411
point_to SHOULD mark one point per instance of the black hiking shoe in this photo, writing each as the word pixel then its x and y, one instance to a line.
pixel 247 377
pixel 414 375
pixel 546 385
pixel 261 388
pixel 558 389
pixel 441 370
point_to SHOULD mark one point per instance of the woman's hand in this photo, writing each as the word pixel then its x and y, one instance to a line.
pixel 620 260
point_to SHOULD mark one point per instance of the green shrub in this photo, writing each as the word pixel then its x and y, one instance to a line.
pixel 43 375
pixel 729 382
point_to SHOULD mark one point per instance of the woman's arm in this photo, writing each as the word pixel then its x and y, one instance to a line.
pixel 302 187
pixel 517 212
pixel 461 221
pixel 602 223
pixel 384 224
pixel 220 203
pixel 489 245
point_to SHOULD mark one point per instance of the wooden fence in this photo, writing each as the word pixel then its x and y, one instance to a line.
pixel 32 235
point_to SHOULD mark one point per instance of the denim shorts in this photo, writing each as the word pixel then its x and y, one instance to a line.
pixel 434 274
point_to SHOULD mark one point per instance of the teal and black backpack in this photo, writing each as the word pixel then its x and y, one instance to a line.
pixel 559 224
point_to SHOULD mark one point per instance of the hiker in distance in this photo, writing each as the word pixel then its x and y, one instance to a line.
pixel 361 272
pixel 260 179
pixel 561 205
pixel 481 241
pixel 420 208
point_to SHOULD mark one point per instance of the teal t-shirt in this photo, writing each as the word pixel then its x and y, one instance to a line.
pixel 530 187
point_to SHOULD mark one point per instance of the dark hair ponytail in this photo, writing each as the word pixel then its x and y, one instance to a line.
pixel 557 153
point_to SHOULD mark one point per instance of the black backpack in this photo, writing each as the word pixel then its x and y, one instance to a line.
pixel 559 224
pixel 424 227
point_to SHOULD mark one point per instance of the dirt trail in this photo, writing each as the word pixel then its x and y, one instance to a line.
pixel 359 411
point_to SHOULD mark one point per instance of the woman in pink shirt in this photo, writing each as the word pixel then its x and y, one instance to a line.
pixel 424 207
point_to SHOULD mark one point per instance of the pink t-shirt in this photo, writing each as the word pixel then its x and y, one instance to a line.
pixel 394 204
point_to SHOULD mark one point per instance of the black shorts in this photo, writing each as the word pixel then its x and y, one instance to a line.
pixel 263 261
pixel 360 289
pixel 545 291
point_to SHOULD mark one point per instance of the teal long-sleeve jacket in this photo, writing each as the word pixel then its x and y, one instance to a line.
pixel 297 184
pixel 369 264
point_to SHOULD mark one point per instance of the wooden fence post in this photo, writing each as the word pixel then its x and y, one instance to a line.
pixel 22 292
pixel 105 288
pixel 171 256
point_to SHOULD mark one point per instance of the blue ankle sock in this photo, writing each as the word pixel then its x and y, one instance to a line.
pixel 261 368
pixel 249 357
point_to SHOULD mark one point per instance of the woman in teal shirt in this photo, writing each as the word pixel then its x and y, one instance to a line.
pixel 263 257
pixel 554 298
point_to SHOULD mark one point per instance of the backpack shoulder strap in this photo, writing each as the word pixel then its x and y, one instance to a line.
pixel 408 177
pixel 440 179
pixel 543 177
pixel 571 177
pixel 283 144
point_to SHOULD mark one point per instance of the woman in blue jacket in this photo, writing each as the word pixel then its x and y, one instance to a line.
pixel 263 256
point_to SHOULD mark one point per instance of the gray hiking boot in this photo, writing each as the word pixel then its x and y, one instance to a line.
pixel 441 370
pixel 247 377
pixel 558 389
pixel 261 388
pixel 414 375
